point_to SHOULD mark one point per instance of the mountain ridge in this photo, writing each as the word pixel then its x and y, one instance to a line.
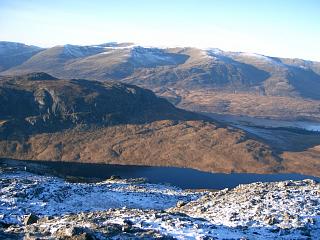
pixel 179 73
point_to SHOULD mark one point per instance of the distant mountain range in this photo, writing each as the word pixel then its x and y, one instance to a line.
pixel 208 80
pixel 13 54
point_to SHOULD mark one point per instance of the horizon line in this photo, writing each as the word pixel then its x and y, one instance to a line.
pixel 166 46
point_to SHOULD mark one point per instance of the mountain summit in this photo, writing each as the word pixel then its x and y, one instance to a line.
pixel 228 81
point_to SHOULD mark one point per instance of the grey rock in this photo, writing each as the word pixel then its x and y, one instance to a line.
pixel 30 219
pixel 180 204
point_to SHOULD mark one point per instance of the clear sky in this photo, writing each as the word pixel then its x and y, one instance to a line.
pixel 287 28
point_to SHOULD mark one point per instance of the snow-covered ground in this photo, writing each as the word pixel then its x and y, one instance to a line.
pixel 130 209
pixel 291 208
pixel 22 193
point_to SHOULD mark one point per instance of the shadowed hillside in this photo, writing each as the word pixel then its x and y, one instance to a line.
pixel 44 118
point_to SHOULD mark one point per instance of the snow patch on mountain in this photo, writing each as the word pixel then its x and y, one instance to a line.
pixel 259 57
pixel 80 51
pixel 13 47
pixel 152 57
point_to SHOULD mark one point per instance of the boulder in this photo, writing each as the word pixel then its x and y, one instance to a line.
pixel 30 219
pixel 180 204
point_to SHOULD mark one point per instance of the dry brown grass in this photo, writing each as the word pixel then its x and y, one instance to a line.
pixel 288 108
pixel 192 144
pixel 306 162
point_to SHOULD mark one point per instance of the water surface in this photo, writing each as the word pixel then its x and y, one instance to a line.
pixel 181 177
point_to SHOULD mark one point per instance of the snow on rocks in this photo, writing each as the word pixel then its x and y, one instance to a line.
pixel 278 207
pixel 24 193
pixel 45 207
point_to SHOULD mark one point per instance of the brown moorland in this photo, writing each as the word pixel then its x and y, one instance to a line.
pixel 44 118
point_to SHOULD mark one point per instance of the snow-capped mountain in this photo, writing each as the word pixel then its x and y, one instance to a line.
pixel 154 57
pixel 75 51
pixel 13 54
pixel 175 71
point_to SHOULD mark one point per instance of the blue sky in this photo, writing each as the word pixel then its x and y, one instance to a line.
pixel 288 28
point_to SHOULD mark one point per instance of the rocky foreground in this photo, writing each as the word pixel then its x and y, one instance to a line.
pixel 44 207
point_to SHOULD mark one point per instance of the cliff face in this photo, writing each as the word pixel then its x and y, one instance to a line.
pixel 43 101
pixel 44 118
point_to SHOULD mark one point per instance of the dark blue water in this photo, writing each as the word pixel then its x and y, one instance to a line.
pixel 182 177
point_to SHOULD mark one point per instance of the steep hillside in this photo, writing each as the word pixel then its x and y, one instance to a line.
pixel 44 118
pixel 287 78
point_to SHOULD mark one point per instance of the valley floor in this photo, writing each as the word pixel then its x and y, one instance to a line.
pixel 45 207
